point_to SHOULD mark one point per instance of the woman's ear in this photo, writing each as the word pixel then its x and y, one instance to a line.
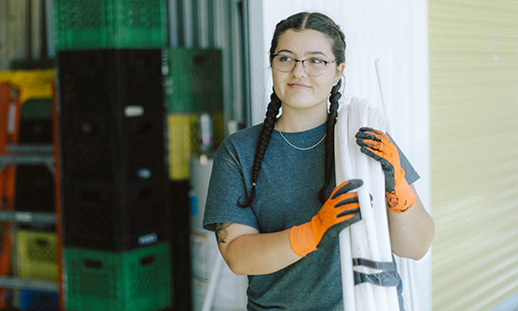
pixel 339 71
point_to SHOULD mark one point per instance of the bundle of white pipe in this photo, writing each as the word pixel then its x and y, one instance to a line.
pixel 368 238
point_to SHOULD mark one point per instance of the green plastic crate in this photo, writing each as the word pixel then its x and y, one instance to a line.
pixel 100 24
pixel 194 82
pixel 137 280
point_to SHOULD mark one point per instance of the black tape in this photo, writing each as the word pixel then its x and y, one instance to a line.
pixel 388 277
pixel 388 266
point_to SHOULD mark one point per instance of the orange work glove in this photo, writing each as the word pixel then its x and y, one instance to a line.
pixel 339 211
pixel 378 146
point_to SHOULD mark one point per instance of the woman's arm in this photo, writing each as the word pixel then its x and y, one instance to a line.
pixel 246 251
pixel 411 232
pixel 411 227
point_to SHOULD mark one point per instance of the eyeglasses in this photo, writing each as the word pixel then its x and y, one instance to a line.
pixel 313 66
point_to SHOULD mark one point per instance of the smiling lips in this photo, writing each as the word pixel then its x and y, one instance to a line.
pixel 298 86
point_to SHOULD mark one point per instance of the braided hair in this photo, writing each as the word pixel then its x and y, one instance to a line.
pixel 297 22
pixel 262 143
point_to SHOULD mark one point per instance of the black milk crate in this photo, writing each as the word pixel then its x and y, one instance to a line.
pixel 35 131
pixel 35 182
pixel 112 148
pixel 112 112
pixel 115 216
pixel 36 122
pixel 103 147
pixel 34 189
pixel 111 80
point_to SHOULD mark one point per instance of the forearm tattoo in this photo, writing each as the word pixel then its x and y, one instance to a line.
pixel 221 232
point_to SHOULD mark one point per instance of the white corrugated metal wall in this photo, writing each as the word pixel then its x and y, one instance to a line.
pixel 474 111
pixel 395 34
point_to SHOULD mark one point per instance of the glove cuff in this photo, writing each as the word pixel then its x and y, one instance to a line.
pixel 302 241
pixel 400 199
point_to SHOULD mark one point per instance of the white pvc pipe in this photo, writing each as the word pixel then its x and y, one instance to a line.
pixel 361 233
pixel 344 237
pixel 214 277
pixel 368 238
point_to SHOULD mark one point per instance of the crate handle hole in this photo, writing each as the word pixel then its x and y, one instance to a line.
pixel 93 264
pixel 200 60
pixel 45 298
pixel 41 242
pixel 147 260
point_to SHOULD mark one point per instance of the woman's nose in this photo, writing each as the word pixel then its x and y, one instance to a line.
pixel 299 70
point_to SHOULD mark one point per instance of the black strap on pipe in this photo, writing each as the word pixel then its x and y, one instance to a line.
pixel 373 264
pixel 388 277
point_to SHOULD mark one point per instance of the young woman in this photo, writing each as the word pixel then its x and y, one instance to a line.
pixel 272 199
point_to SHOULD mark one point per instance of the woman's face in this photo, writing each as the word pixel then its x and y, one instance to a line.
pixel 296 89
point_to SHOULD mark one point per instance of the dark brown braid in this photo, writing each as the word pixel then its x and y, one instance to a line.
pixel 330 139
pixel 325 25
pixel 262 143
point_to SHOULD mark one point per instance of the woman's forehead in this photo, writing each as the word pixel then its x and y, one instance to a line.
pixel 304 42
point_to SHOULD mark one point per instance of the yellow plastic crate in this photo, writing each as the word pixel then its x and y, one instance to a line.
pixel 182 136
pixel 36 254
pixel 33 84
pixel 184 141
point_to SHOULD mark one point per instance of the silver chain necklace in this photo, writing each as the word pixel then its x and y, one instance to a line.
pixel 306 148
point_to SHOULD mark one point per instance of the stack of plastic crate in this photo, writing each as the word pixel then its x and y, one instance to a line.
pixel 112 118
pixel 35 182
pixel 194 86
pixel 35 257
pixel 194 94
pixel 36 246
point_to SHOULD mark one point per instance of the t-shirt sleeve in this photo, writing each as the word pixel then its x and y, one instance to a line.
pixel 411 174
pixel 227 187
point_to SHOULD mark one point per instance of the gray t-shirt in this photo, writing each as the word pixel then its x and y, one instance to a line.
pixel 286 195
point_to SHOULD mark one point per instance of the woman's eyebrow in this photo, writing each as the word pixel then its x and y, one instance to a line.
pixel 307 53
pixel 284 51
pixel 315 53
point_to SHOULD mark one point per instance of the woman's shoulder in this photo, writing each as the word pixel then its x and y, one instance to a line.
pixel 246 133
pixel 240 143
pixel 244 137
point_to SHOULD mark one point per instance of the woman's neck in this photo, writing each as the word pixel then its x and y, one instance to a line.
pixel 294 122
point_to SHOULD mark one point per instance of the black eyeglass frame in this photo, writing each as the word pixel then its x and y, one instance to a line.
pixel 302 62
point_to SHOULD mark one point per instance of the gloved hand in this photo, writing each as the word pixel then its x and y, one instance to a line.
pixel 378 146
pixel 339 211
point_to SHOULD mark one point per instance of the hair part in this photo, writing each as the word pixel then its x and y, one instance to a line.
pixel 314 21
